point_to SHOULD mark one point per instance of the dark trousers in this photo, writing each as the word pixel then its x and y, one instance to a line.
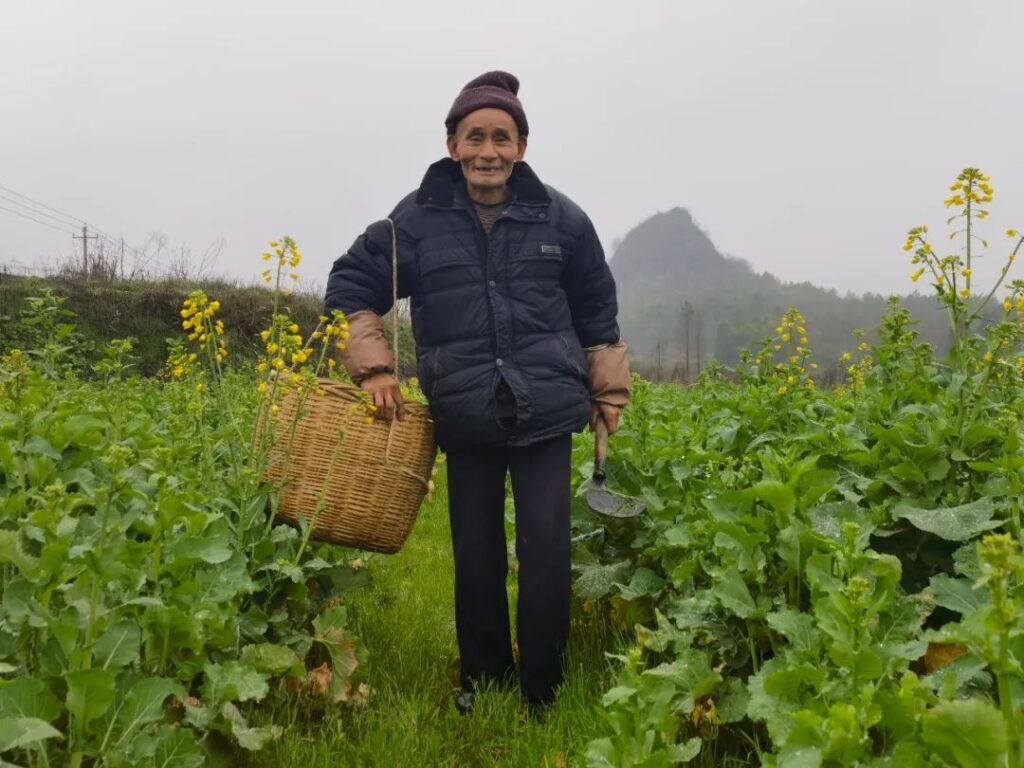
pixel 476 505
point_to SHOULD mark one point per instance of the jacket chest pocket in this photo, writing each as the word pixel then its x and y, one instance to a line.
pixel 449 268
pixel 535 261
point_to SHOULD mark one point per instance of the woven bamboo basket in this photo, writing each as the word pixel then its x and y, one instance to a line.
pixel 356 484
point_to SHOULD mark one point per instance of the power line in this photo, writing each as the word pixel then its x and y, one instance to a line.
pixel 37 221
pixel 114 242
pixel 44 205
pixel 74 220
pixel 30 209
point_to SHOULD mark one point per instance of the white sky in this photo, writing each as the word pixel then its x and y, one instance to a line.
pixel 805 136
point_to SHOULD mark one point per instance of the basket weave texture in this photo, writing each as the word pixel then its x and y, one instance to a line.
pixel 372 477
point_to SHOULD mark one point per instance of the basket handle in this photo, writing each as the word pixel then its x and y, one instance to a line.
pixel 394 293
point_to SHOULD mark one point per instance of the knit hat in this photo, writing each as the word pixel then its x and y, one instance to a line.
pixel 492 89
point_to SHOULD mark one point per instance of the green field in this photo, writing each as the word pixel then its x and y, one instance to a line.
pixel 824 577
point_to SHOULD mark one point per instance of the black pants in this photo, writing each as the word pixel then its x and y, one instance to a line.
pixel 476 491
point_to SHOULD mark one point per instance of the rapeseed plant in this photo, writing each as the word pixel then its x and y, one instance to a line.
pixel 953 275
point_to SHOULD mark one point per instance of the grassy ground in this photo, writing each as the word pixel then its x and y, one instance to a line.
pixel 406 622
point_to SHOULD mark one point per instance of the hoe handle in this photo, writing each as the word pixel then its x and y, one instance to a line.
pixel 600 448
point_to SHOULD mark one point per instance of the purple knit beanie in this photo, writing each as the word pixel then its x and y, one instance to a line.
pixel 492 89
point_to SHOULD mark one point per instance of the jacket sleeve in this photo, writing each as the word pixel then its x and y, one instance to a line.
pixel 361 277
pixel 360 285
pixel 590 288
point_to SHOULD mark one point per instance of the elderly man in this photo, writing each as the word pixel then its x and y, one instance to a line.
pixel 514 316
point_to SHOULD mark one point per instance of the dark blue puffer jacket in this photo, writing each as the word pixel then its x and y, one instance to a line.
pixel 517 306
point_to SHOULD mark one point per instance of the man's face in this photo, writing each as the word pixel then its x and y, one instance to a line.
pixel 486 143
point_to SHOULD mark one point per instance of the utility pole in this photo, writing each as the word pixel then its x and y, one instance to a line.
pixel 687 311
pixel 698 341
pixel 122 259
pixel 85 237
pixel 657 375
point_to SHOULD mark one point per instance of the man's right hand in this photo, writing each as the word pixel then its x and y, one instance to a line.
pixel 386 393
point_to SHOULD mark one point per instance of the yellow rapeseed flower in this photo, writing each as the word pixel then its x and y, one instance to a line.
pixel 917 275
pixel 786 337
pixel 294 328
pixel 987 357
pixel 1011 233
pixel 783 389
pixel 1007 306
pixel 968 272
pixel 964 292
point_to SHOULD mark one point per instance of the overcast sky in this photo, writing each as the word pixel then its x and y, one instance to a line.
pixel 805 136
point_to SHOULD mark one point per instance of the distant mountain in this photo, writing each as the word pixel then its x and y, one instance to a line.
pixel 667 268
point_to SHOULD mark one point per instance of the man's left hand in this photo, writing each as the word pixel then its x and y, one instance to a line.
pixel 609 414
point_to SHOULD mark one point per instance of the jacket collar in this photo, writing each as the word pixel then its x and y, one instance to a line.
pixel 443 183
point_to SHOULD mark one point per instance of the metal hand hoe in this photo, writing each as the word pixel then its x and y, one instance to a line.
pixel 604 501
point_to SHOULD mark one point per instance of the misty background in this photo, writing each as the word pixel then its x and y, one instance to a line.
pixel 803 138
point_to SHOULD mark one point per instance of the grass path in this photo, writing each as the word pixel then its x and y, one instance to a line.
pixel 406 622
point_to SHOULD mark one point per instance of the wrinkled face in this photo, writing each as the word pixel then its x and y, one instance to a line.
pixel 486 143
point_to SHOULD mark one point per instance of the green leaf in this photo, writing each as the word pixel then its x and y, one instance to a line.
pixel 776 495
pixel 732 592
pixel 952 523
pixel 796 627
pixel 601 754
pixel 957 594
pixel 800 757
pixel 29 698
pixel 18 732
pixel 118 646
pixel 644 583
pixel 144 704
pixel 969 733
pixel 212 549
pixel 617 694
pixel 685 752
pixel 176 747
pixel 269 658
pixel 253 739
pixel 39 445
pixel 90 693
pixel 83 429
pixel 331 632
pixel 827 519
pixel 729 505
pixel 233 681
pixel 733 700
pixel 12 552
pixel 596 581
